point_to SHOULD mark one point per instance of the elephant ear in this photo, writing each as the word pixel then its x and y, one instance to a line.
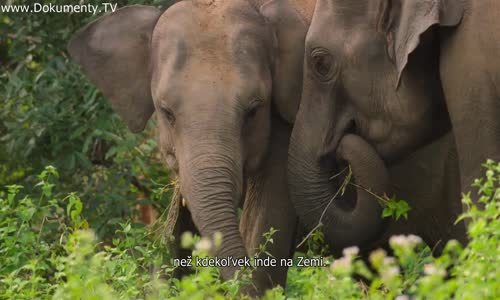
pixel 114 53
pixel 289 20
pixel 409 19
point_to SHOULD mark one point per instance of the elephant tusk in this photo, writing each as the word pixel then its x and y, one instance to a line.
pixel 183 202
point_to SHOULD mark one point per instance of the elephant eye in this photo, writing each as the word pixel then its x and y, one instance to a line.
pixel 252 109
pixel 169 115
pixel 322 64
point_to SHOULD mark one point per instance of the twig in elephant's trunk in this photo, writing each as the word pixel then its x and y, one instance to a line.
pixel 341 189
pixel 339 173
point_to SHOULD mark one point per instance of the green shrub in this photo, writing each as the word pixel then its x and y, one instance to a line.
pixel 50 114
pixel 48 251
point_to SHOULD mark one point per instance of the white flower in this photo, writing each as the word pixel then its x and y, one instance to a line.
pixel 389 273
pixel 204 245
pixel 431 269
pixel 389 261
pixel 414 239
pixel 351 251
pixel 341 264
pixel 402 297
pixel 397 240
pixel 392 271
pixel 405 241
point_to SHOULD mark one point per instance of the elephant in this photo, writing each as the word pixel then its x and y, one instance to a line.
pixel 384 79
pixel 429 180
pixel 224 79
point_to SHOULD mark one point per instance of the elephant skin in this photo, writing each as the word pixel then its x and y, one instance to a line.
pixel 429 180
pixel 401 75
pixel 224 80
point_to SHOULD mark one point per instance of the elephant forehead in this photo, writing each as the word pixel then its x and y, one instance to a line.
pixel 305 7
pixel 197 81
pixel 335 15
pixel 195 30
pixel 347 11
pixel 222 35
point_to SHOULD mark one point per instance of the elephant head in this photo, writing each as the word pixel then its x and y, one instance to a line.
pixel 215 72
pixel 364 102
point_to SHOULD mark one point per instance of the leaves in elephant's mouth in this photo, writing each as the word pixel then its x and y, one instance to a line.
pixel 393 207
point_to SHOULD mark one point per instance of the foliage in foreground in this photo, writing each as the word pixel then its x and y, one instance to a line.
pixel 48 251
pixel 50 114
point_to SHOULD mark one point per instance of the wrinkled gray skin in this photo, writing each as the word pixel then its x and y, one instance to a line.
pixel 224 78
pixel 429 180
pixel 382 79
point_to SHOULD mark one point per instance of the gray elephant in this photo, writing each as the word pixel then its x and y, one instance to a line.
pixel 429 180
pixel 383 80
pixel 224 78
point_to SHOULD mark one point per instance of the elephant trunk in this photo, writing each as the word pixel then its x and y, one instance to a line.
pixel 349 218
pixel 211 183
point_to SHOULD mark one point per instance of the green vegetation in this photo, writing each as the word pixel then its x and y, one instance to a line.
pixel 67 231
pixel 50 114
pixel 48 251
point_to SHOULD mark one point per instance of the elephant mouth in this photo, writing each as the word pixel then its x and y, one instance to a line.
pixel 172 162
pixel 361 167
pixel 343 179
pixel 342 192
